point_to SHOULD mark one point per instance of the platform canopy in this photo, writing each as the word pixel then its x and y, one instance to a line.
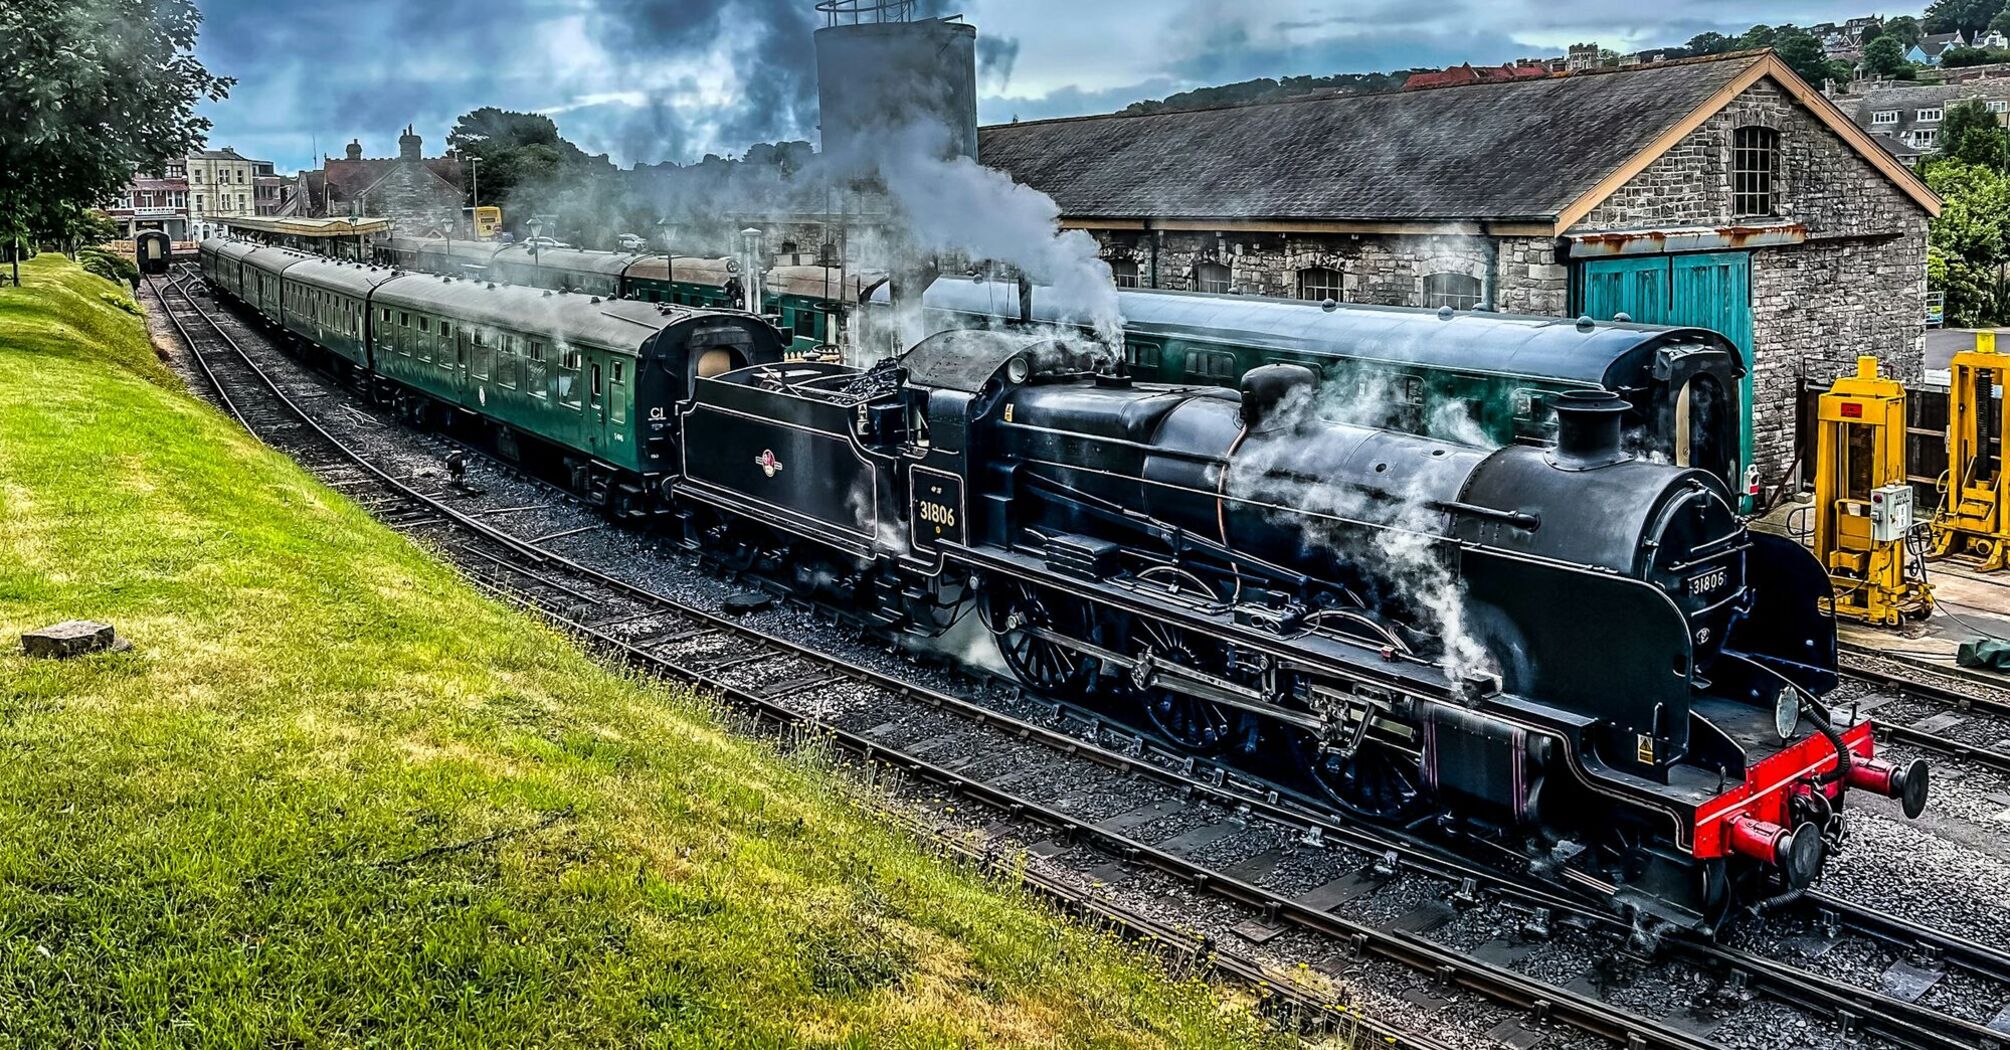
pixel 342 227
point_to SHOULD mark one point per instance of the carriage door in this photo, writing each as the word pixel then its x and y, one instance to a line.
pixel 596 406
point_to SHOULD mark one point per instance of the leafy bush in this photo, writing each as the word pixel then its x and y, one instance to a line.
pixel 110 267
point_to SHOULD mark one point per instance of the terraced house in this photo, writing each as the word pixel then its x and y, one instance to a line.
pixel 1722 192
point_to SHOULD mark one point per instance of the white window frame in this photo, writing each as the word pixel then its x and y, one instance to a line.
pixel 1925 137
pixel 1884 116
pixel 1997 105
pixel 1930 116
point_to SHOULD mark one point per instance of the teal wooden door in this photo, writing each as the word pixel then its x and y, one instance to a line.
pixel 1714 291
pixel 1709 290
pixel 1635 286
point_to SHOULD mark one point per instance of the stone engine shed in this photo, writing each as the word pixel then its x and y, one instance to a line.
pixel 1721 192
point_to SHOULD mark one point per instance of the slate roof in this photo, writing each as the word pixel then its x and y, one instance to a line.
pixel 1503 152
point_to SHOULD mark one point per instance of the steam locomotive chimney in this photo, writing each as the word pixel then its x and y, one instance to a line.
pixel 1587 429
pixel 1025 299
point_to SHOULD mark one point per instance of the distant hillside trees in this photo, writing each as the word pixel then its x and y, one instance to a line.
pixel 1266 89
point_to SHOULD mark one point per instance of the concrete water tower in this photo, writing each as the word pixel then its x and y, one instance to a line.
pixel 879 68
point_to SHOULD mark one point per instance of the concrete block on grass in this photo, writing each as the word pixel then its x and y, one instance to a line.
pixel 72 638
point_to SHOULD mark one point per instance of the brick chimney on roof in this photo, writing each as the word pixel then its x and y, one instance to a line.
pixel 408 145
pixel 354 151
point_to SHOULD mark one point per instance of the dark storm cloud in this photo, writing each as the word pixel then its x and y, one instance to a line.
pixel 673 79
pixel 996 55
pixel 773 68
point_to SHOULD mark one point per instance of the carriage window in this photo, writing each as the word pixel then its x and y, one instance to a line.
pixel 536 378
pixel 506 370
pixel 425 325
pixel 1144 357
pixel 568 379
pixel 1456 290
pixel 593 392
pixel 1208 365
pixel 483 366
pixel 617 394
pixel 446 330
pixel 404 320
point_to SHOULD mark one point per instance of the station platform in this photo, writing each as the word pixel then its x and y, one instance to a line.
pixel 1967 605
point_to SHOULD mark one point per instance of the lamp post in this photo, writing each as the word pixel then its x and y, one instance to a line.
pixel 537 265
pixel 474 195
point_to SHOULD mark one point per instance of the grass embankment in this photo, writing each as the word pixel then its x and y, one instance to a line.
pixel 334 797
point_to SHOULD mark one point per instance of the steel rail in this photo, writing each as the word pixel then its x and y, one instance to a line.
pixel 773 707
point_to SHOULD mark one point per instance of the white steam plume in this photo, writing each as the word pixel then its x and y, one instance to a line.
pixel 1394 535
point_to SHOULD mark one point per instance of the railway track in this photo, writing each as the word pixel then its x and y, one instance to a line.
pixel 1070 796
pixel 1948 712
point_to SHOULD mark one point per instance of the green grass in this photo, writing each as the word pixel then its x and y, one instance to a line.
pixel 335 798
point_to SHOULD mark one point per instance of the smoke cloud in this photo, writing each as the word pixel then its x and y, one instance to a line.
pixel 1393 535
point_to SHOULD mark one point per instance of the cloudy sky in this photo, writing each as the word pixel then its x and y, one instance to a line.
pixel 650 80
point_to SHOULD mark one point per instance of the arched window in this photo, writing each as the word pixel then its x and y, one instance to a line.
pixel 1319 283
pixel 1755 169
pixel 1456 290
pixel 1125 271
pixel 1211 277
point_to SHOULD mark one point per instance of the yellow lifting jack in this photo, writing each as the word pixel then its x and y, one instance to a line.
pixel 1973 522
pixel 1863 506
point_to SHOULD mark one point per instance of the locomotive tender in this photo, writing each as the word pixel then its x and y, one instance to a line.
pixel 1570 651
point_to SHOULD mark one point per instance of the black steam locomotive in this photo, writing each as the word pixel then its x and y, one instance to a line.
pixel 1582 652
pixel 1570 650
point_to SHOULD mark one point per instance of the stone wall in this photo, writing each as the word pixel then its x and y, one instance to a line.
pixel 1856 287
pixel 415 198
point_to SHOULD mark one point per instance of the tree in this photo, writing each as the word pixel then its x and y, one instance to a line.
pixel 1805 55
pixel 1905 29
pixel 96 90
pixel 1884 57
pixel 527 166
pixel 1960 16
pixel 1967 242
pixel 1970 134
pixel 1760 35
pixel 1957 57
pixel 1709 44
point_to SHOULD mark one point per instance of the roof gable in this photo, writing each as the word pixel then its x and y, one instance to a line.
pixel 1540 152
